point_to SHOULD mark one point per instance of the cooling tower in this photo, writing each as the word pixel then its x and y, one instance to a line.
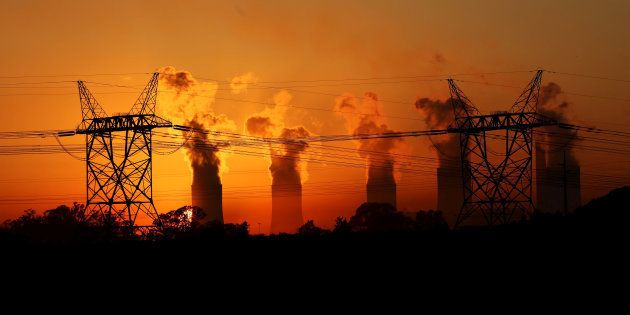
pixel 286 208
pixel 381 193
pixel 551 177
pixel 541 187
pixel 208 198
pixel 450 192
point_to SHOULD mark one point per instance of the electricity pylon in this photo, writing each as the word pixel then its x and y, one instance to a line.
pixel 500 190
pixel 118 153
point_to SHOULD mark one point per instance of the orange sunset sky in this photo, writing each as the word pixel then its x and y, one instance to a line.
pixel 296 50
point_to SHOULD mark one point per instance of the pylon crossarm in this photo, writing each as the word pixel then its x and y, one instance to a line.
pixel 528 100
pixel 124 123
pixel 462 106
pixel 146 102
pixel 502 120
pixel 90 108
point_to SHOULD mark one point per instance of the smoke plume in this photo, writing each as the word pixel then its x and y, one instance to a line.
pixel 285 163
pixel 203 157
pixel 187 101
pixel 240 83
pixel 286 166
pixel 363 116
pixel 180 81
pixel 438 115
pixel 556 139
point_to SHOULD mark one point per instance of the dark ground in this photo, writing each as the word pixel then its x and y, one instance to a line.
pixel 376 246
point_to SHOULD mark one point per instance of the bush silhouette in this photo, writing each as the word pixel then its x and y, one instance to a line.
pixel 431 221
pixel 310 229
pixel 379 217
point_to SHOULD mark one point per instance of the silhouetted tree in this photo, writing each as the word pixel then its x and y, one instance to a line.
pixel 60 224
pixel 179 223
pixel 236 231
pixel 28 218
pixel 310 229
pixel 431 220
pixel 216 230
pixel 342 226
pixel 379 217
pixel 184 219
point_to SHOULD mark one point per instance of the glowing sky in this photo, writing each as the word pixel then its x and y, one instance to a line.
pixel 276 41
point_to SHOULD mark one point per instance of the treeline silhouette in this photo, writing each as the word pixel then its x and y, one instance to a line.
pixel 69 226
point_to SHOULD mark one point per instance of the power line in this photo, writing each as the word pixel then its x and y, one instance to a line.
pixel 68 75
pixel 285 81
pixel 52 149
pixel 336 191
pixel 40 82
pixel 589 76
pixel 383 78
pixel 563 92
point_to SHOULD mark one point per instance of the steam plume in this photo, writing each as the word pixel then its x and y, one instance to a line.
pixel 363 116
pixel 557 139
pixel 285 164
pixel 286 167
pixel 203 157
pixel 438 115
pixel 180 81
pixel 188 102
pixel 240 83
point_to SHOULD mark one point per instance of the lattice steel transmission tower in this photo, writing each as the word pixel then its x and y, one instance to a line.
pixel 498 190
pixel 119 158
